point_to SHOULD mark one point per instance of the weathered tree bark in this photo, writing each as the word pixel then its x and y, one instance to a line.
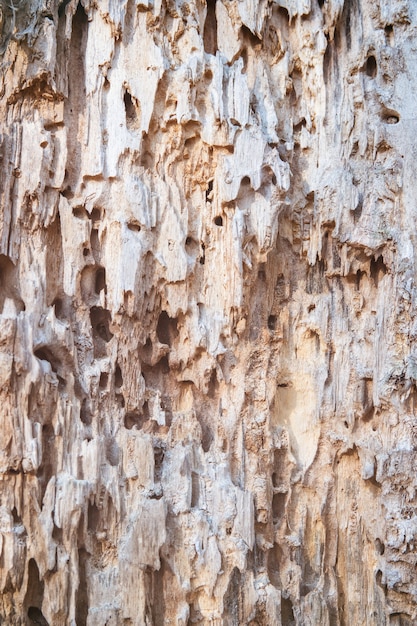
pixel 208 360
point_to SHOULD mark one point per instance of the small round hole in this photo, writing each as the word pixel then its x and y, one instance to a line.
pixel 118 378
pixel 392 119
pixel 272 322
pixel 80 212
pixel 218 220
pixel 389 34
pixel 100 281
pixel 209 191
pixel 57 304
pixel 134 226
pixel 120 400
pixel 95 215
pixel 371 66
pixel 380 547
pixel 104 377
pixel 85 413
pixel 389 116
pixel 203 254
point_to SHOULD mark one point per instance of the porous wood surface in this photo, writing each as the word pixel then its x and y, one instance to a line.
pixel 208 357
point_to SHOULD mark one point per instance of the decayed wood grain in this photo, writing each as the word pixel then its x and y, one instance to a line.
pixel 207 285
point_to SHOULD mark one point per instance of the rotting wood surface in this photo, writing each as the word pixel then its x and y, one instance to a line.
pixel 208 355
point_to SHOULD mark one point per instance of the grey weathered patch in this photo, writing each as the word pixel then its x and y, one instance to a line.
pixel 17 20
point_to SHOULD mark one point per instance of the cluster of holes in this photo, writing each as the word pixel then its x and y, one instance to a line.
pixel 95 216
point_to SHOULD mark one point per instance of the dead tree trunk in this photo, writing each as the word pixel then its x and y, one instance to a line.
pixel 208 355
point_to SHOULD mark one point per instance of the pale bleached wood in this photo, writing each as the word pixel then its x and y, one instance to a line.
pixel 207 312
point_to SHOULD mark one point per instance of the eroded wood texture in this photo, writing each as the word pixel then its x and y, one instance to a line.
pixel 208 355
